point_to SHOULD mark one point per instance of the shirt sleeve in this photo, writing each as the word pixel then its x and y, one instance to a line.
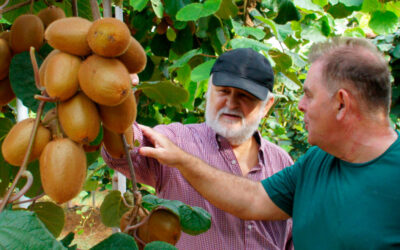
pixel 281 187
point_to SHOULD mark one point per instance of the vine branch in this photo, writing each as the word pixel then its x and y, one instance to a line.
pixel 129 159
pixel 16 6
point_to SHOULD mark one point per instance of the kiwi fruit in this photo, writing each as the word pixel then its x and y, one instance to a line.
pixel 50 14
pixel 6 92
pixel 16 142
pixel 42 67
pixel 112 142
pixel 108 37
pixel 162 225
pixel 79 118
pixel 61 76
pixel 104 80
pixel 5 58
pixel 134 58
pixel 119 118
pixel 69 35
pixel 26 31
pixel 62 169
pixel 5 35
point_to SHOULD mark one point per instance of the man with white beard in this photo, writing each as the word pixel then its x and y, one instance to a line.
pixel 239 95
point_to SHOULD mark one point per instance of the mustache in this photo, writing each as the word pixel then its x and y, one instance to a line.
pixel 228 111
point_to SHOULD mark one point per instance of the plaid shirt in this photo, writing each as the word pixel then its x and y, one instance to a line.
pixel 227 231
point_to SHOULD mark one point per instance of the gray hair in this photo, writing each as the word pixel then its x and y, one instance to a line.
pixel 357 64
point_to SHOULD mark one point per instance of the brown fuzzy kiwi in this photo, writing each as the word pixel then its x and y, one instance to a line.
pixel 6 92
pixel 113 142
pixel 50 14
pixel 109 37
pixel 134 58
pixel 5 58
pixel 5 35
pixel 119 118
pixel 69 35
pixel 62 169
pixel 26 31
pixel 162 225
pixel 104 80
pixel 16 142
pixel 61 76
pixel 42 67
pixel 79 118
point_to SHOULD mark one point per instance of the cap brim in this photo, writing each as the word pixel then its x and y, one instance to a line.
pixel 225 79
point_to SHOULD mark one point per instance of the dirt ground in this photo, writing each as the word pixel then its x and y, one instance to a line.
pixel 84 220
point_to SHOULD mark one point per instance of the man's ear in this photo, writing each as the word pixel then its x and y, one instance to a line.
pixel 343 101
pixel 268 105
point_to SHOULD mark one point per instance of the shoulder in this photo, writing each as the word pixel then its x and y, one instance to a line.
pixel 178 131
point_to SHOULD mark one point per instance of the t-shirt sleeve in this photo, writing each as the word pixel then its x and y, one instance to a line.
pixel 281 187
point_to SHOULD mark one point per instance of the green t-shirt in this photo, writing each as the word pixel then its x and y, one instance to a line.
pixel 340 205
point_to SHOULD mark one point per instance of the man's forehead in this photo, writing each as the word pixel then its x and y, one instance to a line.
pixel 233 88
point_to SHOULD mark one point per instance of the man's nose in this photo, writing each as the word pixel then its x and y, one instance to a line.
pixel 301 105
pixel 231 102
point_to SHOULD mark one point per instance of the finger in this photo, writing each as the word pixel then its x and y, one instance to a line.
pixel 150 133
pixel 134 79
pixel 148 152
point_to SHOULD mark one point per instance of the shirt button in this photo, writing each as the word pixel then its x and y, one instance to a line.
pixel 233 162
pixel 249 227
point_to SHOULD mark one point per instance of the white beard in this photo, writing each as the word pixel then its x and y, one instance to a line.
pixel 234 136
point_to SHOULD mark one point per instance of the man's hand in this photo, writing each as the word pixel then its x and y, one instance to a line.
pixel 164 150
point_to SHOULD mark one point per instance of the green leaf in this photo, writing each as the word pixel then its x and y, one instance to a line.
pixel 5 174
pixel 157 245
pixel 352 3
pixel 307 5
pixel 287 12
pixel 287 81
pixel 282 60
pixel 370 6
pixel 393 6
pixel 194 220
pixel 184 59
pixel 138 5
pixel 325 27
pixel 183 42
pixel 183 75
pixel 228 9
pixel 112 209
pixel 51 215
pixel 164 92
pixel 160 45
pixel 23 230
pixel 354 32
pixel 171 34
pixel 247 31
pixel 67 240
pixel 340 10
pixel 248 43
pixel 90 185
pixel 321 3
pixel 172 6
pixel 23 82
pixel 313 33
pixel 5 126
pixel 194 11
pixel 117 241
pixel 202 71
pixel 158 8
pixel 383 22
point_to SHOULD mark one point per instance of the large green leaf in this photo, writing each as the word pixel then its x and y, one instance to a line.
pixel 23 230
pixel 164 92
pixel 23 82
pixel 184 41
pixel 184 59
pixel 194 11
pixel 352 3
pixel 228 9
pixel 282 60
pixel 383 22
pixel 354 32
pixel 112 209
pixel 51 215
pixel 247 31
pixel 5 126
pixel 313 33
pixel 173 6
pixel 370 5
pixel 307 5
pixel 202 71
pixel 287 12
pixel 157 245
pixel 117 241
pixel 248 43
pixel 287 81
pixel 138 5
pixel 194 220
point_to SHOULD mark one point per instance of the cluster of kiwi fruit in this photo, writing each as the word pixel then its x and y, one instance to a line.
pixel 88 76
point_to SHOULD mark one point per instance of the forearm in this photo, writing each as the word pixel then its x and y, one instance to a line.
pixel 239 196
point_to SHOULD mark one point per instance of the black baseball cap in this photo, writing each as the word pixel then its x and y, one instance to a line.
pixel 244 69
